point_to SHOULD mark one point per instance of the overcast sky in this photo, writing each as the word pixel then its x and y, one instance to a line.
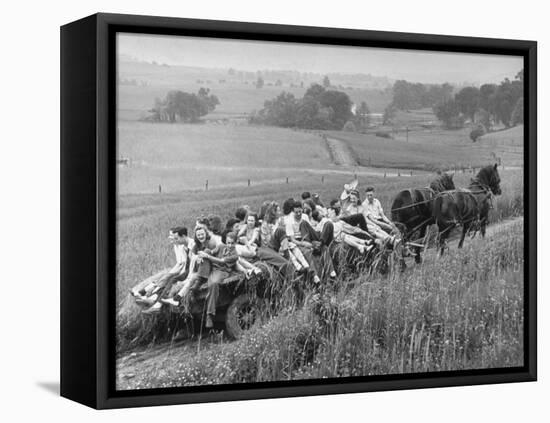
pixel 412 65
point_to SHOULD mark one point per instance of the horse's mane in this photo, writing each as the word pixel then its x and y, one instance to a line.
pixel 485 175
pixel 442 183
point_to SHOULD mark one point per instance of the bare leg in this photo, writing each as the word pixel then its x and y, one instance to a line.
pixel 300 257
pixel 355 243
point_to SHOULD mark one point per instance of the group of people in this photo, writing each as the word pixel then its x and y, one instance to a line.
pixel 293 238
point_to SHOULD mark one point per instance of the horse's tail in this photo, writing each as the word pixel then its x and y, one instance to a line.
pixel 397 206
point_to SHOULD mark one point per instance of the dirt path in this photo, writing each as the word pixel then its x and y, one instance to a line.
pixel 340 152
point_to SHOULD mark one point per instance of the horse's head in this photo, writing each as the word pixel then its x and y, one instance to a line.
pixel 444 182
pixel 489 176
pixel 447 181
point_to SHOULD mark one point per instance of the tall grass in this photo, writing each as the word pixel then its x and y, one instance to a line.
pixel 143 223
pixel 461 311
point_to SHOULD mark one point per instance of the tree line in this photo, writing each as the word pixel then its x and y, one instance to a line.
pixel 486 106
pixel 183 106
pixel 319 108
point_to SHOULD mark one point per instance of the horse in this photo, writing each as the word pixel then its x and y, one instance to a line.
pixel 467 207
pixel 411 209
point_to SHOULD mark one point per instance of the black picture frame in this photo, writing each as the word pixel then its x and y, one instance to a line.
pixel 88 172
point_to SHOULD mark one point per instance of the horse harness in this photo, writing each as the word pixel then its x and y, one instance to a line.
pixel 472 194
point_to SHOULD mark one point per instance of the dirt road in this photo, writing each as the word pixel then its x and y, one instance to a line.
pixel 340 152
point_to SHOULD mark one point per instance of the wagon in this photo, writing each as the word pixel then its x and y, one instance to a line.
pixel 239 305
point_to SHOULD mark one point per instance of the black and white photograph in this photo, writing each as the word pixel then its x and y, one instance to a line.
pixel 291 211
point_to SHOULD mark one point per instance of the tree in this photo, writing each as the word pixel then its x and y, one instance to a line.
pixel 467 100
pixel 340 104
pixel 318 109
pixel 362 117
pixel 477 132
pixel 483 117
pixel 281 111
pixel 314 91
pixel 259 82
pixel 349 127
pixel 211 101
pixel 183 106
pixel 449 113
pixel 486 97
pixel 326 82
pixel 505 99
pixel 389 115
pixel 519 76
pixel 517 113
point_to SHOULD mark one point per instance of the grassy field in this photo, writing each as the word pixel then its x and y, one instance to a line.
pixel 462 311
pixel 180 156
pixel 431 149
pixel 143 222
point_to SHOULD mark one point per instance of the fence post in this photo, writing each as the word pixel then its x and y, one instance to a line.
pixel 411 173
pixel 287 179
pixel 384 174
pixel 398 173
pixel 207 185
pixel 323 179
pixel 249 182
pixel 160 189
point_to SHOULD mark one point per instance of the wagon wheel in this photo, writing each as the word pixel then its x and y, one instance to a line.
pixel 242 314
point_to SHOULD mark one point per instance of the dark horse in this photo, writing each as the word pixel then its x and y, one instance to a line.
pixel 467 207
pixel 412 209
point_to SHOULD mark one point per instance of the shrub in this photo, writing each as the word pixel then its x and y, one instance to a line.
pixel 477 132
pixel 349 127
pixel 383 134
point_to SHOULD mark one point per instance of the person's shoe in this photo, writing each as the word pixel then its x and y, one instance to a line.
pixel 332 274
pixel 170 302
pixel 209 322
pixel 361 249
pixel 154 309
pixel 257 271
pixel 316 279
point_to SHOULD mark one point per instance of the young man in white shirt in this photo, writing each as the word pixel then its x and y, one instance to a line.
pixel 373 210
pixel 151 294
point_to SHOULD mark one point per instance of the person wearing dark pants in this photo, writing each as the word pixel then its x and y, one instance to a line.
pixel 223 260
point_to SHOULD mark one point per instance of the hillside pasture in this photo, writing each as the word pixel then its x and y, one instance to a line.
pixel 182 156
pixel 143 221
pixel 461 311
pixel 238 96
pixel 431 149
